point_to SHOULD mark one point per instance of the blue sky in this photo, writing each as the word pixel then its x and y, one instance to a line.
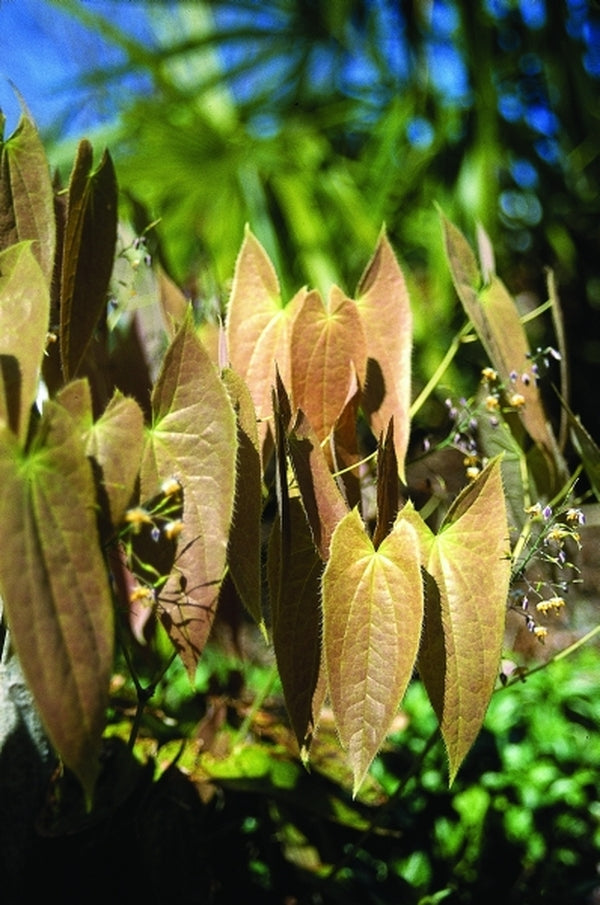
pixel 44 50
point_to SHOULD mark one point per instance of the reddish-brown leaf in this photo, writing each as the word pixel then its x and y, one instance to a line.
pixel 258 327
pixel 193 439
pixel 88 254
pixel 323 503
pixel 328 348
pixel 384 307
pixel 294 573
pixel 244 554
pixel 53 580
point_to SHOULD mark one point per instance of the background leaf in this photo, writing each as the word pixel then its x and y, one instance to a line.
pixel 193 439
pixel 465 611
pixel 372 615
pixel 55 587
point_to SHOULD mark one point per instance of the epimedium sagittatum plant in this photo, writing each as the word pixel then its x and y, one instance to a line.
pixel 163 470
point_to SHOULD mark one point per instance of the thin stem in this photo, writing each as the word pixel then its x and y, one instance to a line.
pixel 440 370
pixel 256 705
pixel 560 655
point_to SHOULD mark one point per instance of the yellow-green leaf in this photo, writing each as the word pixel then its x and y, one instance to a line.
pixel 465 611
pixel 24 313
pixel 372 616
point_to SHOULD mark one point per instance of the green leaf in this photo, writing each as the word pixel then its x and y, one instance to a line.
pixel 88 254
pixel 294 572
pixel 465 611
pixel 384 307
pixel 26 195
pixel 193 439
pixel 328 348
pixel 24 312
pixel 372 616
pixel 244 554
pixel 586 447
pixel 54 584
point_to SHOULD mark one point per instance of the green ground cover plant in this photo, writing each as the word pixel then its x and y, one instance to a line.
pixel 180 481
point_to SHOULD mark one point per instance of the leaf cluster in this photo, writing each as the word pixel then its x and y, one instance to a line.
pixel 164 474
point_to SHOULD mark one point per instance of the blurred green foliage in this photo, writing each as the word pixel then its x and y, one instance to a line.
pixel 315 123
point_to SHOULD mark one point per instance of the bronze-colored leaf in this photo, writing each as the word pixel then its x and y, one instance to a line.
pixel 328 348
pixel 372 616
pixel 54 583
pixel 193 439
pixel 259 327
pixel 384 306
pixel 323 503
pixel 295 594
pixel 244 554
pixel 88 254
pixel 26 195
pixel 465 611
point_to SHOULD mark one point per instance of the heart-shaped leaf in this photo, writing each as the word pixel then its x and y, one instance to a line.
pixel 465 611
pixel 384 306
pixel 328 349
pixel 372 616
pixel 193 439
pixel 54 584
pixel 259 327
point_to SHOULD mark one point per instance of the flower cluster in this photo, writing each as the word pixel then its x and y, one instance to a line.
pixel 547 538
pixel 162 519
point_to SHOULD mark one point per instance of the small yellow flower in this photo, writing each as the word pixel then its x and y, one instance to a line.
pixel 173 529
pixel 489 374
pixel 517 400
pixel 557 534
pixel 540 632
pixel 137 518
pixel 142 593
pixel 551 605
pixel 492 403
pixel 472 472
pixel 170 487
